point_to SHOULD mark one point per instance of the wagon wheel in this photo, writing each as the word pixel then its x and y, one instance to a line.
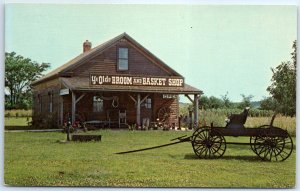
pixel 252 138
pixel 270 146
pixel 163 114
pixel 208 143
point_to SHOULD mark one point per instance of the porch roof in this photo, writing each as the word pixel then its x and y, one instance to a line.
pixel 83 84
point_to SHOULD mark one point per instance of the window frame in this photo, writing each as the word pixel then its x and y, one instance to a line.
pixel 95 107
pixel 118 58
pixel 148 103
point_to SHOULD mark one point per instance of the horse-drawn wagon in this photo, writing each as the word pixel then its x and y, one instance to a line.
pixel 268 142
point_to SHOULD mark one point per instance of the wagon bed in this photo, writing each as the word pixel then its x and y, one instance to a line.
pixel 246 132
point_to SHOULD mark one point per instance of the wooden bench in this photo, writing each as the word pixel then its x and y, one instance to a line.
pixel 85 138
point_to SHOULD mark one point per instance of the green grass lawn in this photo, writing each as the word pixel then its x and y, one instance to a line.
pixel 38 159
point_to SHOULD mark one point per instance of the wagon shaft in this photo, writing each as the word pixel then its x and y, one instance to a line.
pixel 181 140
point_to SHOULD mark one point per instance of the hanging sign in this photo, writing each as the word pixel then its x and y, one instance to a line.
pixel 124 80
pixel 169 96
pixel 64 92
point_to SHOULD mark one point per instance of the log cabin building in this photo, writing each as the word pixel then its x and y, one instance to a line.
pixel 118 82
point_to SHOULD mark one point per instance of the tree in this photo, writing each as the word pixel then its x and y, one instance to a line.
pixel 20 72
pixel 215 103
pixel 204 102
pixel 246 101
pixel 226 101
pixel 268 103
pixel 210 102
pixel 283 86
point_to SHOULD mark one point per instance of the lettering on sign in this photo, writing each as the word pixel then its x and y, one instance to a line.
pixel 136 80
pixel 169 96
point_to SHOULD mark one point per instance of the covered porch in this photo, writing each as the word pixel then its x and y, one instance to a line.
pixel 115 106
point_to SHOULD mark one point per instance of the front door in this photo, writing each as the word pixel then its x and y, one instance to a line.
pixel 146 112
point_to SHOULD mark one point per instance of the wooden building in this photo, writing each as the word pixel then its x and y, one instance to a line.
pixel 116 82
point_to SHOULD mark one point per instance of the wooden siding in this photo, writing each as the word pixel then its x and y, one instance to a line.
pixel 41 105
pixel 106 63
pixel 42 94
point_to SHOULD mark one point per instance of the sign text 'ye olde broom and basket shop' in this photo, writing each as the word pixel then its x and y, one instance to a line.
pixel 136 80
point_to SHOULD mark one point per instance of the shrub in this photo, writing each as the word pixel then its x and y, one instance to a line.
pixel 42 121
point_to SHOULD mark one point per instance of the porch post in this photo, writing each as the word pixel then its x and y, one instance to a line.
pixel 73 106
pixel 138 110
pixel 196 109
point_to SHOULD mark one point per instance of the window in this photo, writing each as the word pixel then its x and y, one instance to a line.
pixel 97 104
pixel 148 103
pixel 123 59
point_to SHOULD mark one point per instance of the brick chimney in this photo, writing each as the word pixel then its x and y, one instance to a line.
pixel 87 46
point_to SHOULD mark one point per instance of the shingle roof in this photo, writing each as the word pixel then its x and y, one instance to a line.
pixel 83 84
pixel 87 55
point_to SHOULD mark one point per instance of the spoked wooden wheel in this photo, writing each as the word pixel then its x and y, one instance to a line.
pixel 208 143
pixel 252 138
pixel 163 114
pixel 273 144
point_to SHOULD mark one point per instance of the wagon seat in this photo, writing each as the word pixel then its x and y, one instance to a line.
pixel 237 120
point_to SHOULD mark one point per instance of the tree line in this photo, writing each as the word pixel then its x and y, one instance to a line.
pixel 224 102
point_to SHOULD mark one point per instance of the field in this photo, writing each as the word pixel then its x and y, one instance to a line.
pixel 44 161
pixel 18 113
pixel 17 119
pixel 13 121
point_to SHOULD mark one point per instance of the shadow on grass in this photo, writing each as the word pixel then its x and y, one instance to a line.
pixel 244 158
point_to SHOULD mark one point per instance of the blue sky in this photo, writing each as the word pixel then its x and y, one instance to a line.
pixel 217 48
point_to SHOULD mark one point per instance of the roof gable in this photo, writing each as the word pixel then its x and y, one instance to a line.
pixel 66 69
